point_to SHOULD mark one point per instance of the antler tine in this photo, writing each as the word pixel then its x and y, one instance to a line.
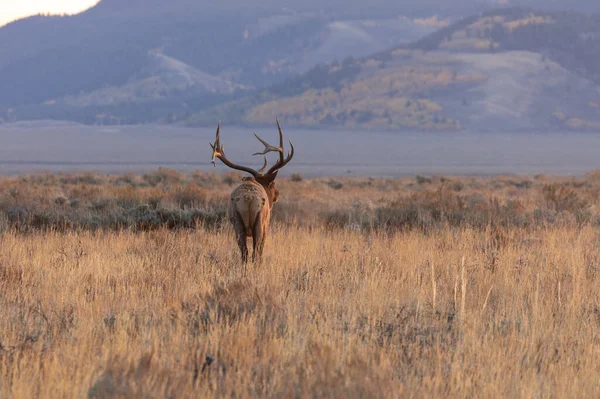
pixel 261 170
pixel 268 147
pixel 280 135
pixel 281 164
pixel 218 152
pixel 217 147
pixel 282 161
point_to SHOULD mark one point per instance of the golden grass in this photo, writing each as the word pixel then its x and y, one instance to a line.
pixel 332 312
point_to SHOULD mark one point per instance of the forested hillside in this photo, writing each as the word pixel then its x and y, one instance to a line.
pixel 513 69
pixel 50 67
pixel 134 61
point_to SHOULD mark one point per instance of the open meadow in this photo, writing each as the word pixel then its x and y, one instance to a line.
pixel 131 286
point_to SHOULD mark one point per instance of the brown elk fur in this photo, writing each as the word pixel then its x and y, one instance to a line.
pixel 249 212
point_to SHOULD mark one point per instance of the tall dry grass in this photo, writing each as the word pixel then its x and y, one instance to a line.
pixel 354 309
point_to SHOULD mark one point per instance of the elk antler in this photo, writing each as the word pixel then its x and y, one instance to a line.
pixel 219 153
pixel 261 170
pixel 270 148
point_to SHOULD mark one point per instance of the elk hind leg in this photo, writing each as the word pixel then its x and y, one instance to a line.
pixel 243 247
pixel 258 239
pixel 240 232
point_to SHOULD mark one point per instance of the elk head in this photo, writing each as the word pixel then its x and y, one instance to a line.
pixel 250 203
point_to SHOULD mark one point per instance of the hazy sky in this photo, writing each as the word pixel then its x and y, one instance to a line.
pixel 15 9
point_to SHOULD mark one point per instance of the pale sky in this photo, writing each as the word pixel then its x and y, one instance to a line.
pixel 15 9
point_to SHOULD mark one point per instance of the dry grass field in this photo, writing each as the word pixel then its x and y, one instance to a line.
pixel 131 286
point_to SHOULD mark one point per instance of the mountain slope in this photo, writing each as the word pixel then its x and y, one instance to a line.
pixel 162 90
pixel 54 60
pixel 93 55
pixel 510 69
pixel 163 77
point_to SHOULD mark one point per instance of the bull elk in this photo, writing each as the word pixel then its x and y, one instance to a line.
pixel 250 204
